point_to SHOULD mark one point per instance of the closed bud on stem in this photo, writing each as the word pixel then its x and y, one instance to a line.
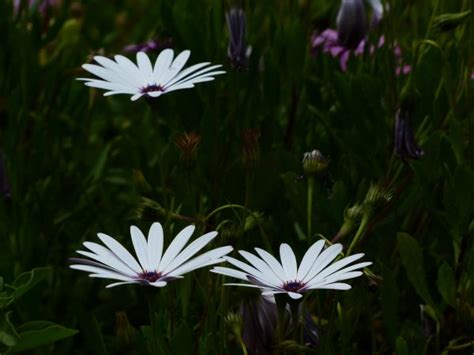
pixel 235 322
pixel 351 23
pixel 314 163
pixel 377 197
pixel 237 50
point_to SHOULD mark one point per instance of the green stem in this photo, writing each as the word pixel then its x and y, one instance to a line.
pixel 310 208
pixel 294 305
pixel 150 295
pixel 360 231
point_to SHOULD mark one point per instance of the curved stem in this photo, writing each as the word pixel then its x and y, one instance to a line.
pixel 360 231
pixel 310 209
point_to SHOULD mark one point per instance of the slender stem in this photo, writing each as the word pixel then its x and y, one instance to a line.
pixel 150 295
pixel 310 208
pixel 294 305
pixel 360 231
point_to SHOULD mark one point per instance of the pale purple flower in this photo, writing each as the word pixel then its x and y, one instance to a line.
pixel 42 5
pixel 328 42
pixel 153 45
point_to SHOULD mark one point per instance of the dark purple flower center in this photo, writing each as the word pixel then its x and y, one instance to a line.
pixel 293 286
pixel 151 88
pixel 150 276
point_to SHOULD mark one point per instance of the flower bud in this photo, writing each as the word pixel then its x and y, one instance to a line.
pixel 377 196
pixel 351 23
pixel 314 163
pixel 237 51
pixel 188 143
pixel 405 146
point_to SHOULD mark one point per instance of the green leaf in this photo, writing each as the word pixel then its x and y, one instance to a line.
pixel 182 342
pixel 39 333
pixel 412 260
pixel 447 284
pixel 8 335
pixel 28 280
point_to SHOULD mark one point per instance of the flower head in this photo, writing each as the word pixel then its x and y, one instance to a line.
pixel 237 51
pixel 153 268
pixel 314 272
pixel 122 76
pixel 314 162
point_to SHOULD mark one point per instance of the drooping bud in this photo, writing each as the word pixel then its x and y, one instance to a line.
pixel 250 146
pixel 314 163
pixel 405 146
pixel 237 51
pixel 235 323
pixel 351 23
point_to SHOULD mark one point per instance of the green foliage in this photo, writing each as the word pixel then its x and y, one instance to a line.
pixel 77 163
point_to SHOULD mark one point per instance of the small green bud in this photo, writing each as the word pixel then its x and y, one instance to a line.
pixel 235 322
pixel 314 162
pixel 448 22
pixel 377 196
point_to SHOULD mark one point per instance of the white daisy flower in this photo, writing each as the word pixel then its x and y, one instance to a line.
pixel 315 271
pixel 153 268
pixel 122 76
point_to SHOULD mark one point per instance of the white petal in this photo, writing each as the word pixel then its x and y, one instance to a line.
pixel 183 77
pixel 102 273
pixel 209 258
pixel 136 97
pixel 112 259
pixel 339 265
pixel 294 295
pixel 288 261
pixel 176 66
pixel 272 262
pixel 155 245
pixel 191 250
pixel 100 84
pixel 250 270
pixel 140 245
pixel 121 283
pixel 229 272
pixel 185 72
pixel 145 67
pixel 130 70
pixel 323 260
pixel 334 286
pixel 105 74
pixel 176 246
pixel 122 253
pixel 309 258
pixel 158 283
pixel 263 267
pixel 377 8
pixel 162 65
pixel 117 69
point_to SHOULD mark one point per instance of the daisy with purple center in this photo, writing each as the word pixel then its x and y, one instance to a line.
pixel 316 270
pixel 122 76
pixel 153 267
